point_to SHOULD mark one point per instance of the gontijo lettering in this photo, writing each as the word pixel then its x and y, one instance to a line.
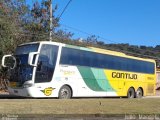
pixel 124 75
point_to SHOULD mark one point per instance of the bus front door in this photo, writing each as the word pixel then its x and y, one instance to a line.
pixel 46 66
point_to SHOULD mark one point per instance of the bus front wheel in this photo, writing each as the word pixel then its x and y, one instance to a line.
pixel 65 92
pixel 131 93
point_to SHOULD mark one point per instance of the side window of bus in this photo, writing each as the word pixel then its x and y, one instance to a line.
pixel 90 59
pixel 46 63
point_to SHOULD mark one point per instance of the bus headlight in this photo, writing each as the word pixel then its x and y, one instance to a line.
pixel 27 85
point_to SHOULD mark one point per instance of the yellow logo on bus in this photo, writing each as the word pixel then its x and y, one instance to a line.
pixel 48 91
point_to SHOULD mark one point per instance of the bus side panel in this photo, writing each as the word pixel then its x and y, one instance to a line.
pixel 89 82
pixel 121 81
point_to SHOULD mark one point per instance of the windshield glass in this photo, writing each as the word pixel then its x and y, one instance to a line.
pixel 23 72
pixel 26 49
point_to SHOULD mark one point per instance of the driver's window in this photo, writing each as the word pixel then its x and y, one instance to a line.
pixel 46 63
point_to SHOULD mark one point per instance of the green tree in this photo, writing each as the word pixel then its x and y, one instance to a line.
pixel 92 39
pixel 11 14
pixel 38 24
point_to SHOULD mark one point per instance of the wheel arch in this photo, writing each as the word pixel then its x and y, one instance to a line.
pixel 133 88
pixel 69 87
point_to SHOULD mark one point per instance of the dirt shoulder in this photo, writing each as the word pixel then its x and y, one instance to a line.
pixel 80 106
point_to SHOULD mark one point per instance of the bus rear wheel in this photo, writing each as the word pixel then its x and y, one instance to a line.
pixel 131 93
pixel 65 92
pixel 139 93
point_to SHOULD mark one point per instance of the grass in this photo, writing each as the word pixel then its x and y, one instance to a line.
pixel 80 106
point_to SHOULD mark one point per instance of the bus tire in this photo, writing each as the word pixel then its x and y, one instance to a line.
pixel 65 92
pixel 131 93
pixel 139 93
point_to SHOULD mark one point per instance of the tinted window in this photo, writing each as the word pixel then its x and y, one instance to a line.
pixel 26 49
pixel 85 58
pixel 46 63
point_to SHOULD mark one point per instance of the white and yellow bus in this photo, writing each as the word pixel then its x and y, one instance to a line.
pixel 50 69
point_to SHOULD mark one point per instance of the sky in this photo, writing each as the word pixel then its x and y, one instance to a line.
pixel 136 22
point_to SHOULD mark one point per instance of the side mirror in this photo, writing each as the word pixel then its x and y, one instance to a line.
pixel 31 58
pixel 9 61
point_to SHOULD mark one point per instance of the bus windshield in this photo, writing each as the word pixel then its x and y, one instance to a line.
pixel 23 72
pixel 26 49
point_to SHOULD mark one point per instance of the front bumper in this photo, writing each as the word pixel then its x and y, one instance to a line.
pixel 24 92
